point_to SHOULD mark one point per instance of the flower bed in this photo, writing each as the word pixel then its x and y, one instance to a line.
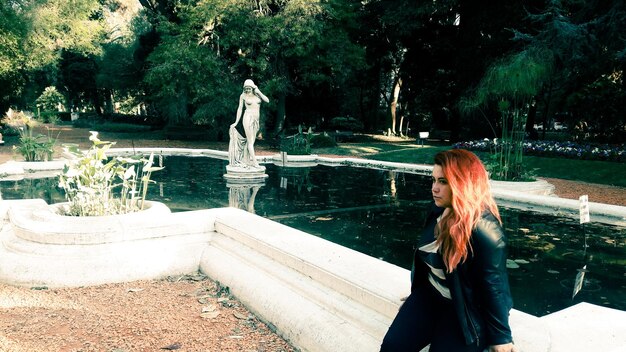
pixel 604 152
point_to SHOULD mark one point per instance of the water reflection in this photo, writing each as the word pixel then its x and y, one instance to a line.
pixel 243 196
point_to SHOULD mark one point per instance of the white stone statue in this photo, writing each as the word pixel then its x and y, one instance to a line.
pixel 241 149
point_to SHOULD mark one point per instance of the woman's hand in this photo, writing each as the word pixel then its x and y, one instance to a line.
pixel 509 347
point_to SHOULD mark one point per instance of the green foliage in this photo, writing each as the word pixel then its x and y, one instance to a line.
pixel 12 30
pixel 298 144
pixel 183 74
pixel 50 100
pixel 505 162
pixel 291 49
pixel 511 84
pixel 513 81
pixel 35 147
pixel 60 25
pixel 586 87
pixel 599 110
pixel 323 140
pixel 49 117
pixel 97 186
pixel 315 59
pixel 32 147
pixel 345 124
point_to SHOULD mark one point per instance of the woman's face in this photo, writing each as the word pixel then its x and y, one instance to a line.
pixel 442 193
pixel 247 90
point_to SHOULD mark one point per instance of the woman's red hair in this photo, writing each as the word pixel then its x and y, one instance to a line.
pixel 471 196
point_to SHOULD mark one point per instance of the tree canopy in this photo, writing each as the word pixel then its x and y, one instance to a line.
pixel 390 64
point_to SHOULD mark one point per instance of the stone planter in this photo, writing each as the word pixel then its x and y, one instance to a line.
pixel 39 247
pixel 45 225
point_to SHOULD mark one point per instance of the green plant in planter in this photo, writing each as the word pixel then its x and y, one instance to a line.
pixel 96 185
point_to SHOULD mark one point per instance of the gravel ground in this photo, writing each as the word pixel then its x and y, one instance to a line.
pixel 188 313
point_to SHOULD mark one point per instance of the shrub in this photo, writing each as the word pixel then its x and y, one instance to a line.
pixel 49 117
pixel 50 100
pixel 346 124
pixel 323 141
pixel 298 144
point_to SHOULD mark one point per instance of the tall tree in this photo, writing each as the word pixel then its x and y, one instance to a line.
pixel 446 45
pixel 294 49
pixel 13 29
pixel 33 36
pixel 586 43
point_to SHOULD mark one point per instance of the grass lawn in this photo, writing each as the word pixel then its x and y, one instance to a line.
pixel 600 172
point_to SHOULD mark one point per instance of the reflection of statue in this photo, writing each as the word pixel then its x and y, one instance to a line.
pixel 243 196
pixel 241 149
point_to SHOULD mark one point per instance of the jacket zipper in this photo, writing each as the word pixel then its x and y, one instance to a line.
pixel 469 318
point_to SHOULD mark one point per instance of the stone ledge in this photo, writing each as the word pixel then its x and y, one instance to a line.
pixel 319 295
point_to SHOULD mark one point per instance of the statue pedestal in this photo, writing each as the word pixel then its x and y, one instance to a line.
pixel 245 174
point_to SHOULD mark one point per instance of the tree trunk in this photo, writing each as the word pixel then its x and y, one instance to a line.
pixel 108 102
pixel 455 124
pixel 96 101
pixel 280 113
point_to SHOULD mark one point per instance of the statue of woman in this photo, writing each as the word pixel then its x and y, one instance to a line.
pixel 241 149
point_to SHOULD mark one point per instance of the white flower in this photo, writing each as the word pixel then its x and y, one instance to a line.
pixel 130 172
pixel 71 173
pixel 94 136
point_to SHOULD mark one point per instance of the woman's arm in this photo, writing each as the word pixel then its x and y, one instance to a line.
pixel 492 283
pixel 260 95
pixel 239 110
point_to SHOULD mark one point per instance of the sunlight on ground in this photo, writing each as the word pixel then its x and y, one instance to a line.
pixel 361 150
pixel 15 297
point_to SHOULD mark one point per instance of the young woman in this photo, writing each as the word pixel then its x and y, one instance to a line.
pixel 460 297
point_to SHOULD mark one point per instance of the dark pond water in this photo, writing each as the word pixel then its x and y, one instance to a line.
pixel 380 213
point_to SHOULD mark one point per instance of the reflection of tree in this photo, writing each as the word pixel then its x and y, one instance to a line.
pixel 392 178
pixel 296 178
pixel 36 188
pixel 242 196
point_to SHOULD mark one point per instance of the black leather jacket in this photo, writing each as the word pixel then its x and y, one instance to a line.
pixel 479 287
